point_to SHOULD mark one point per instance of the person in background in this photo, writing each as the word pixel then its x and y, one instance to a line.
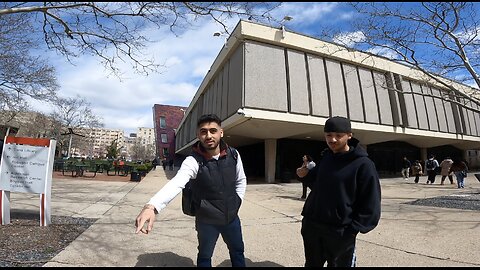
pixel 445 165
pixel 344 199
pixel 460 169
pixel 218 186
pixel 155 163
pixel 431 165
pixel 406 168
pixel 164 163
pixel 417 170
pixel 309 164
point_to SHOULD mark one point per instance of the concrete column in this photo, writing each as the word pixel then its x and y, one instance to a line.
pixel 465 155
pixel 423 154
pixel 270 159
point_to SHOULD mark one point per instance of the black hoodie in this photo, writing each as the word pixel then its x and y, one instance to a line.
pixel 345 192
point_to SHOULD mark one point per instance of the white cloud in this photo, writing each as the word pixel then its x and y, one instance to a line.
pixel 349 39
pixel 127 103
pixel 305 13
pixel 385 52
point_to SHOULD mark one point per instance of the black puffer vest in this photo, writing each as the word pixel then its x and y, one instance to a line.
pixel 214 190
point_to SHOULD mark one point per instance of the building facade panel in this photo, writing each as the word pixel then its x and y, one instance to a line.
pixel 355 100
pixel 385 106
pixel 215 96
pixel 211 96
pixel 265 77
pixel 468 123
pixel 410 108
pixel 318 84
pixel 235 81
pixel 439 105
pixel 458 116
pixel 336 88
pixel 450 117
pixel 472 110
pixel 191 128
pixel 369 95
pixel 299 93
pixel 477 118
pixel 420 106
pixel 204 99
pixel 224 74
pixel 432 110
pixel 473 125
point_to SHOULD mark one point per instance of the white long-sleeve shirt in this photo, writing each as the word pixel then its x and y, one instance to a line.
pixel 188 170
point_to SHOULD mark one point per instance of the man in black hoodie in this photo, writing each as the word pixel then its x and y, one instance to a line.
pixel 344 199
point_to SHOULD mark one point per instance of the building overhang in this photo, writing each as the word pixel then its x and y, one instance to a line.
pixel 257 125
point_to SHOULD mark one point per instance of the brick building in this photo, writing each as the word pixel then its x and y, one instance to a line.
pixel 166 119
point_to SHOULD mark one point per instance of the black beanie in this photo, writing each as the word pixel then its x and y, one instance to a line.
pixel 338 124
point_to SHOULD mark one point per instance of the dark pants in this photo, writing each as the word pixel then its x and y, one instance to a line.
pixel 304 190
pixel 207 238
pixel 327 245
pixel 450 177
pixel 431 176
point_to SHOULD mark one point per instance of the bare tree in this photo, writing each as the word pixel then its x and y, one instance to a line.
pixel 73 113
pixel 437 38
pixel 22 75
pixel 113 31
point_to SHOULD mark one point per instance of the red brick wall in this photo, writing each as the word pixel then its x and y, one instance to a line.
pixel 173 116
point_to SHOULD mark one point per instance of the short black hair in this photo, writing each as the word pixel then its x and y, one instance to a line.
pixel 208 118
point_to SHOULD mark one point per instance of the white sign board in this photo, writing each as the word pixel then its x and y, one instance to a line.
pixel 23 168
pixel 26 166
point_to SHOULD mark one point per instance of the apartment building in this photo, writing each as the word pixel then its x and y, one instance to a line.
pixel 96 140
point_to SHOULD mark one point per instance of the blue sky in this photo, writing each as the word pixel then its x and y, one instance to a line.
pixel 127 104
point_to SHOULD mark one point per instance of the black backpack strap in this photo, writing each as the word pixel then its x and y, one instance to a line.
pixel 199 158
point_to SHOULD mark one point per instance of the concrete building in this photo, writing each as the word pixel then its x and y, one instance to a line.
pixel 146 136
pixel 274 90
pixel 96 141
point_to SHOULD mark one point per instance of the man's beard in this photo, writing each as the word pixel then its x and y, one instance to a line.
pixel 205 145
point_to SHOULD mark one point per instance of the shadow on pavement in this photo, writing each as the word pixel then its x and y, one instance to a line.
pixel 164 259
pixel 172 259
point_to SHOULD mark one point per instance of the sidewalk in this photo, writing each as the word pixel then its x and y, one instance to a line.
pixel 408 235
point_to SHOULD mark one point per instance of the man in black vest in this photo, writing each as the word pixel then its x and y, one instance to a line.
pixel 218 186
pixel 344 198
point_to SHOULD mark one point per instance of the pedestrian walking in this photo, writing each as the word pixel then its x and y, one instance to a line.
pixel 417 170
pixel 460 169
pixel 218 185
pixel 344 198
pixel 309 164
pixel 406 164
pixel 431 165
pixel 445 165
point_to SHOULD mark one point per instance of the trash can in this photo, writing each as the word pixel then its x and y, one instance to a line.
pixel 135 176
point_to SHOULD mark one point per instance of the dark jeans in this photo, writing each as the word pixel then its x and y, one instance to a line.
pixel 207 238
pixel 304 190
pixel 322 245
pixel 417 178
pixel 431 176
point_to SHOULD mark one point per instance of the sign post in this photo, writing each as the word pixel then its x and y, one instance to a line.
pixel 27 166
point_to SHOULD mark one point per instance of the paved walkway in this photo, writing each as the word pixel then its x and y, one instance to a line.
pixel 408 235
